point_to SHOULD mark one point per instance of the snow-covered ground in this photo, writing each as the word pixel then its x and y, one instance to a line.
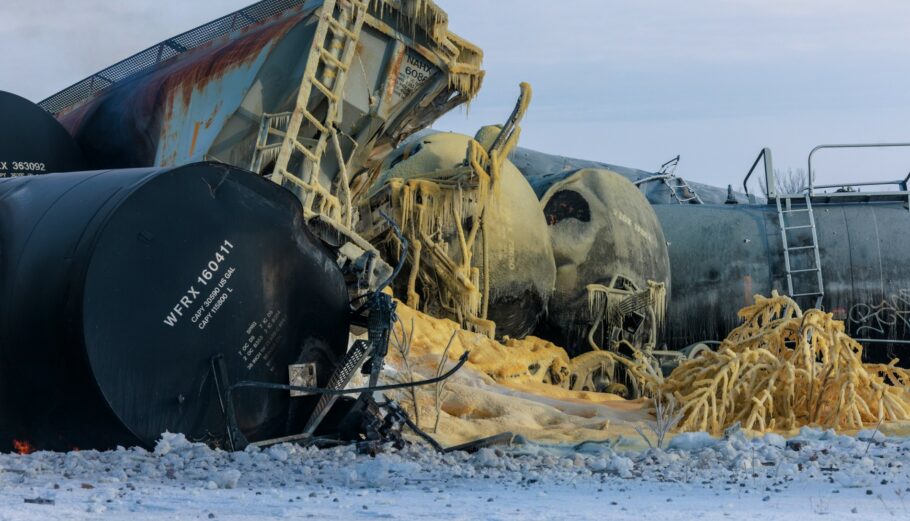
pixel 814 474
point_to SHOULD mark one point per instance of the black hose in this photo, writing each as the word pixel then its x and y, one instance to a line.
pixel 404 250
pixel 321 390
pixel 426 437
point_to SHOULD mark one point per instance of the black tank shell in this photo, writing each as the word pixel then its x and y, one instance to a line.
pixel 118 288
pixel 32 142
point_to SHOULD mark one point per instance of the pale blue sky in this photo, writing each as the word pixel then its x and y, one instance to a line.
pixel 631 83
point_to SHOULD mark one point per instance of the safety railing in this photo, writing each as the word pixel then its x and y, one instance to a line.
pixel 900 183
pixel 845 191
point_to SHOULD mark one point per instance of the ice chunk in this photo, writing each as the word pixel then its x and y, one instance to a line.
pixel 172 442
pixel 692 441
pixel 775 440
pixel 871 435
pixel 621 465
pixel 226 478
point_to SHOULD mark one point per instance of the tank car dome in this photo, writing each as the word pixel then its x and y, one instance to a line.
pixel 520 264
pixel 603 231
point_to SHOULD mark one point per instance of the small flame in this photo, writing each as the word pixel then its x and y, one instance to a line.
pixel 23 447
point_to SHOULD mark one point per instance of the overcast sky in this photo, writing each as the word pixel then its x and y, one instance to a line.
pixel 627 82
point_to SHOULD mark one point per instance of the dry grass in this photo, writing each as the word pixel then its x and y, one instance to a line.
pixel 402 340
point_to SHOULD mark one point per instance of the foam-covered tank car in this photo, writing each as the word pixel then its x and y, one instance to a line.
pixel 842 248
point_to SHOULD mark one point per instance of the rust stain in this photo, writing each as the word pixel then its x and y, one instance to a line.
pixel 73 119
pixel 296 13
pixel 170 160
pixel 151 95
pixel 195 69
pixel 393 73
pixel 208 122
pixel 747 290
pixel 195 136
pixel 840 313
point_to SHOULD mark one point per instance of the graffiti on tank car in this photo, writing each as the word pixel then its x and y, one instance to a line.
pixel 879 318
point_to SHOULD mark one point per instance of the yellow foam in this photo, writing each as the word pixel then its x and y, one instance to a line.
pixel 502 388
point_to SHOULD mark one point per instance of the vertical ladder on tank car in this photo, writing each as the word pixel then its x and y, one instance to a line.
pixel 820 194
pixel 804 282
pixel 339 27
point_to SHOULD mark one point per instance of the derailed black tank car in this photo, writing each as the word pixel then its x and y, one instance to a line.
pixel 32 142
pixel 117 289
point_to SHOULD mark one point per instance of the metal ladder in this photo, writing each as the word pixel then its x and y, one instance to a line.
pixel 681 184
pixel 675 183
pixel 339 27
pixel 811 286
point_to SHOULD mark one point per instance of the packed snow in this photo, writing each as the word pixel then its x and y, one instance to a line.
pixel 816 473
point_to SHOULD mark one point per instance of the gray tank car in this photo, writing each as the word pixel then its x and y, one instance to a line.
pixel 834 247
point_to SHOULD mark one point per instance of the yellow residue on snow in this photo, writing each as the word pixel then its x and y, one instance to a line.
pixel 503 387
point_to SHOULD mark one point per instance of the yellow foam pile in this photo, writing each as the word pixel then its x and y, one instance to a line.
pixel 782 369
pixel 503 387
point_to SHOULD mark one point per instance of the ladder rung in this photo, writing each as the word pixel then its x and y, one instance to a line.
pixel 336 26
pixel 325 90
pixel 312 119
pixel 327 56
pixel 813 294
pixel 798 227
pixel 803 271
pixel 797 248
pixel 305 151
pixel 796 211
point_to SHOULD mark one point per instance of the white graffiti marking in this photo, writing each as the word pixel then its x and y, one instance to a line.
pixel 881 317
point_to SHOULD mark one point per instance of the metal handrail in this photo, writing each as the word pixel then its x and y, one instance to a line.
pixel 902 183
pixel 769 172
pixel 811 188
pixel 656 177
pixel 898 182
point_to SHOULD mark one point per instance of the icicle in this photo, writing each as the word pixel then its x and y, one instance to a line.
pixel 658 300
pixel 597 302
pixel 269 154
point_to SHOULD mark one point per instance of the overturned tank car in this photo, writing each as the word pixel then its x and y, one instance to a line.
pixel 132 298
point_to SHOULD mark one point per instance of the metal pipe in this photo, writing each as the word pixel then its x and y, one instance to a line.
pixel 769 173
